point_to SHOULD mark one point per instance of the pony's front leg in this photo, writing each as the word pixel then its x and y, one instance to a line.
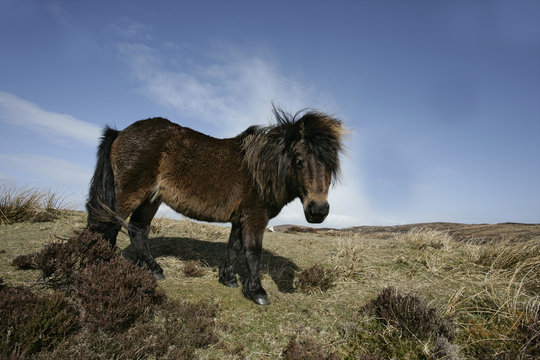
pixel 227 275
pixel 252 241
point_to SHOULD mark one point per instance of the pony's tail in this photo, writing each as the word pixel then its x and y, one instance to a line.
pixel 101 204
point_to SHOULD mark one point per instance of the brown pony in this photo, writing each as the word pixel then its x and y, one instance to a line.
pixel 245 180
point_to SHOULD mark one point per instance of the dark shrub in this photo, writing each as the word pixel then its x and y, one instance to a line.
pixel 370 338
pixel 177 330
pixel 193 269
pixel 410 313
pixel 115 294
pixel 198 323
pixel 307 349
pixel 25 262
pixel 60 261
pixel 31 323
pixel 122 313
pixel 315 279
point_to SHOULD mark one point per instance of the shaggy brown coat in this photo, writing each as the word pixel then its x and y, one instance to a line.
pixel 245 180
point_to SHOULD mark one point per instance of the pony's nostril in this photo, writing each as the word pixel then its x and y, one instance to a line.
pixel 326 208
pixel 318 209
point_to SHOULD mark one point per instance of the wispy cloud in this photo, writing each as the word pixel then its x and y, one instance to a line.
pixel 51 169
pixel 231 93
pixel 54 126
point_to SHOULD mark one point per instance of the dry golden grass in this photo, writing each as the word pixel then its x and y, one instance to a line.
pixel 29 204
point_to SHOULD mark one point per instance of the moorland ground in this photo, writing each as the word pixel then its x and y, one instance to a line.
pixel 480 284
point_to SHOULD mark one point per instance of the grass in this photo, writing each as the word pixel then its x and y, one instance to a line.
pixel 29 204
pixel 485 292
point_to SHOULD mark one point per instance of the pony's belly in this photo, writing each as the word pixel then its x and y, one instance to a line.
pixel 213 206
pixel 202 214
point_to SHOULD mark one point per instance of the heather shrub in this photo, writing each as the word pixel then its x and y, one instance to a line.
pixel 118 311
pixel 398 325
pixel 371 339
pixel 61 261
pixel 30 323
pixel 307 349
pixel 198 323
pixel 114 294
pixel 25 262
pixel 410 313
pixel 177 330
pixel 193 269
pixel 315 279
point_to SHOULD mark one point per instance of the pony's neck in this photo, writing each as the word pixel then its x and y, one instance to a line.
pixel 268 164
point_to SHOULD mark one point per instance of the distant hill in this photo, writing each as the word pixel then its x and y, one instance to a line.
pixel 477 233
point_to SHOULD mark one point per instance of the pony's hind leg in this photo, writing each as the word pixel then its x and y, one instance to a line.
pixel 227 275
pixel 139 227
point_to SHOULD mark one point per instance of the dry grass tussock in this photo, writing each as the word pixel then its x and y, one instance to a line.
pixel 193 269
pixel 307 348
pixel 497 322
pixel 516 260
pixel 315 279
pixel 348 258
pixel 422 238
pixel 30 204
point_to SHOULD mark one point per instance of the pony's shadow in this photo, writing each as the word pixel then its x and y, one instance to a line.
pixel 212 254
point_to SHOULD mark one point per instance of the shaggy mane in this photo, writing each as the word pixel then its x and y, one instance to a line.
pixel 269 150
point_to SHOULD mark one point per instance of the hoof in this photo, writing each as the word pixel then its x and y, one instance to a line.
pixel 229 283
pixel 232 284
pixel 227 278
pixel 159 276
pixel 261 300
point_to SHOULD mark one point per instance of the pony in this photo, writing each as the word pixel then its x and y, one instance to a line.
pixel 245 180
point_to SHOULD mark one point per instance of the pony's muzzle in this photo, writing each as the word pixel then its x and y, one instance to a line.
pixel 316 212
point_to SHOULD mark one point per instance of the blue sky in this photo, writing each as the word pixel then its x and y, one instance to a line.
pixel 442 98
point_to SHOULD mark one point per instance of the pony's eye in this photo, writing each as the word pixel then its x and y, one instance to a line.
pixel 299 163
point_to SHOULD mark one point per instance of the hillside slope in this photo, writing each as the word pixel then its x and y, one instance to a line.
pixel 485 287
